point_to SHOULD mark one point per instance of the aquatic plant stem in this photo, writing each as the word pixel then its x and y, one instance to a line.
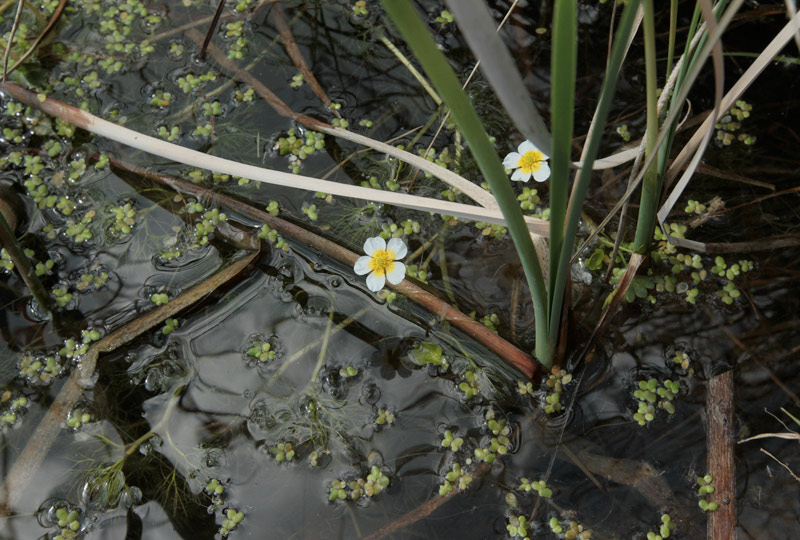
pixel 42 439
pixel 651 184
pixel 418 37
pixel 581 187
pixel 9 242
pixel 563 68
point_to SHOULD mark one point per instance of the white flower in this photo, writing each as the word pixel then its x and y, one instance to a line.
pixel 528 160
pixel 381 263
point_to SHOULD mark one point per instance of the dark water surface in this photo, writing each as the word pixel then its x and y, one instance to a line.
pixel 171 414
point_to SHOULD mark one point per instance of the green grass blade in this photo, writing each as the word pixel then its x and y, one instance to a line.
pixel 435 65
pixel 563 67
pixel 593 145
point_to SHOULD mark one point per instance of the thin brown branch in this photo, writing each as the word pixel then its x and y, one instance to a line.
pixel 521 360
pixel 294 53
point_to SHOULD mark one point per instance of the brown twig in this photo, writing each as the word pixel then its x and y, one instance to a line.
pixel 42 440
pixel 50 24
pixel 521 360
pixel 211 28
pixel 294 53
pixel 721 466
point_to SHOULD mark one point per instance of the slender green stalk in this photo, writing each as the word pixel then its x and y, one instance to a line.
pixel 563 66
pixel 441 75
pixel 9 242
pixel 592 146
pixel 673 25
pixel 651 182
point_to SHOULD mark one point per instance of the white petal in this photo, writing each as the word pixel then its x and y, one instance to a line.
pixel 511 160
pixel 375 283
pixel 374 244
pixel 399 248
pixel 527 146
pixel 521 176
pixel 397 274
pixel 362 265
pixel 543 173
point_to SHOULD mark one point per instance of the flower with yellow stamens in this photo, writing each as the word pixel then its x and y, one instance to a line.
pixel 528 161
pixel 380 262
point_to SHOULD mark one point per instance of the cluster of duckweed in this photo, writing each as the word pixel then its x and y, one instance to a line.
pixel 555 383
pixel 299 146
pixel 623 132
pixel 282 452
pixel 169 133
pixel 245 94
pixel 310 210
pixel 272 236
pixel 120 220
pixel 518 527
pixel 68 521
pixel 706 487
pixel 373 484
pixel 571 529
pixel 445 17
pixel 205 227
pixel 39 369
pixel 77 418
pixel 650 394
pixel 79 231
pixel 372 182
pixel 456 478
pixel 450 442
pixel 499 443
pixel 393 230
pixel 491 321
pixel 728 293
pixel 236 41
pixel 260 349
pixel 470 385
pixel 528 199
pixel 92 278
pixel 442 159
pixel 169 326
pixel 665 531
pixel 385 417
pixel 429 354
pixel 231 522
pixel 539 486
pixel 348 372
pixel 216 490
pixel 74 349
pixel 417 272
pixel 525 388
pixel 360 8
pixel 491 230
pixel 731 123
pixel 159 299
pixel 297 81
pixel 61 295
pixel 15 408
pixel 190 82
pixel 339 122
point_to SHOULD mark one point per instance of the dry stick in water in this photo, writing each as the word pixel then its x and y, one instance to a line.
pixel 719 446
pixel 294 53
pixel 42 440
pixel 521 360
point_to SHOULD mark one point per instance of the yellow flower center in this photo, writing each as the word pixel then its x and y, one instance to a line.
pixel 382 262
pixel 531 161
